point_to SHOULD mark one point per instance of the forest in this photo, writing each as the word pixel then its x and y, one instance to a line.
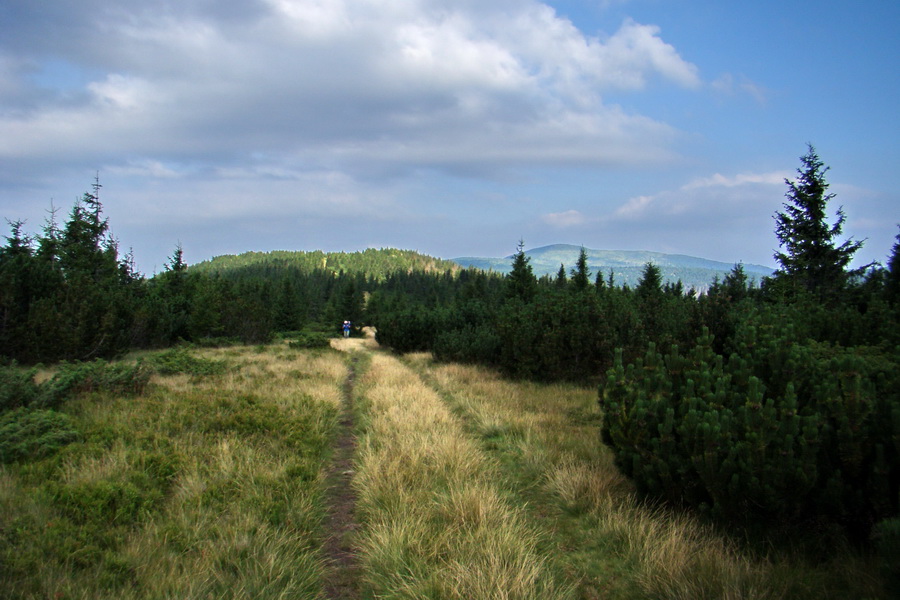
pixel 774 404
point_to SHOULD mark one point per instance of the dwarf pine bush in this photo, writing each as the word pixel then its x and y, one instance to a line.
pixel 779 432
pixel 32 434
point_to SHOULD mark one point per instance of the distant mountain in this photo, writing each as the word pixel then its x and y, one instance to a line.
pixel 626 265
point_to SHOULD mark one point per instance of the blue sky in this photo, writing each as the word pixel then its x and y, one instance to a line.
pixel 452 128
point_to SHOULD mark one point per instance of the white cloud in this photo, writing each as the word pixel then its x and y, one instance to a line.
pixel 723 181
pixel 349 84
pixel 717 194
pixel 569 218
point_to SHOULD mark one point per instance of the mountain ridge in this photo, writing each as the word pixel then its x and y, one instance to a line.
pixel 626 265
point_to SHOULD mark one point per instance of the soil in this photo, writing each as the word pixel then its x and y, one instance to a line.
pixel 342 579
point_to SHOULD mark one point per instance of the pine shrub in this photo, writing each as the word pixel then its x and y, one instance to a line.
pixel 778 433
pixel 80 378
pixel 180 360
pixel 32 434
pixel 17 387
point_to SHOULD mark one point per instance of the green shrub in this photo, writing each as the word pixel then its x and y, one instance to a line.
pixel 476 344
pixel 80 378
pixel 17 387
pixel 31 434
pixel 779 433
pixel 180 360
pixel 310 339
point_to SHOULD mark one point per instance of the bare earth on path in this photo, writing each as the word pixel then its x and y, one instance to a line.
pixel 342 581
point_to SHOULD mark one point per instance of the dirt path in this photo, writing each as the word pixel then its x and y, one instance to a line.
pixel 342 580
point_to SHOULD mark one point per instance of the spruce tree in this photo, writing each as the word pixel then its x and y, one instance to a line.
pixel 810 260
pixel 892 281
pixel 650 284
pixel 521 282
pixel 581 276
pixel 561 279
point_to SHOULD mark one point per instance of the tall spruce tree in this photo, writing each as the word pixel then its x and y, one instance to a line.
pixel 810 261
pixel 521 282
pixel 561 280
pixel 581 275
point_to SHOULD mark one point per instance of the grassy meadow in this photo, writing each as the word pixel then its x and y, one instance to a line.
pixel 206 486
pixel 211 484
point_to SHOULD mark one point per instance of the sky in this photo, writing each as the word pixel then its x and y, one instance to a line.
pixel 455 128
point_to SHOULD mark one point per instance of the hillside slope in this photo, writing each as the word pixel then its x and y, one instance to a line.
pixel 376 263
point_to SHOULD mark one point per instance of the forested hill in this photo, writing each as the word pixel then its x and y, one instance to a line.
pixel 627 266
pixel 374 263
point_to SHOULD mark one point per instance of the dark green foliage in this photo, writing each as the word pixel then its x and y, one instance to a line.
pixel 887 543
pixel 778 432
pixel 97 376
pixel 410 330
pixel 32 434
pixel 561 279
pixel 310 339
pixel 649 287
pixel 67 294
pixel 811 262
pixel 180 360
pixel 558 336
pixel 892 277
pixel 17 387
pixel 521 282
pixel 581 275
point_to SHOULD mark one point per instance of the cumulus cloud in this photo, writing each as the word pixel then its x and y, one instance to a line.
pixel 717 215
pixel 335 84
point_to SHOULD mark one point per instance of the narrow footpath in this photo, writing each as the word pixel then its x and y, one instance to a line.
pixel 342 579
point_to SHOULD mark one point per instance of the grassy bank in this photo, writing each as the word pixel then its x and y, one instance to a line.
pixel 208 485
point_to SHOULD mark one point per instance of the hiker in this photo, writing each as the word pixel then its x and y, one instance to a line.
pixel 346 329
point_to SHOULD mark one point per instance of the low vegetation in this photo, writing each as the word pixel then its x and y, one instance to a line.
pixel 197 487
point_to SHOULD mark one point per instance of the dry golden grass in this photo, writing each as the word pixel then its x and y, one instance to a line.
pixel 435 525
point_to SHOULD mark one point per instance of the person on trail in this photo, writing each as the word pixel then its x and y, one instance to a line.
pixel 346 329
